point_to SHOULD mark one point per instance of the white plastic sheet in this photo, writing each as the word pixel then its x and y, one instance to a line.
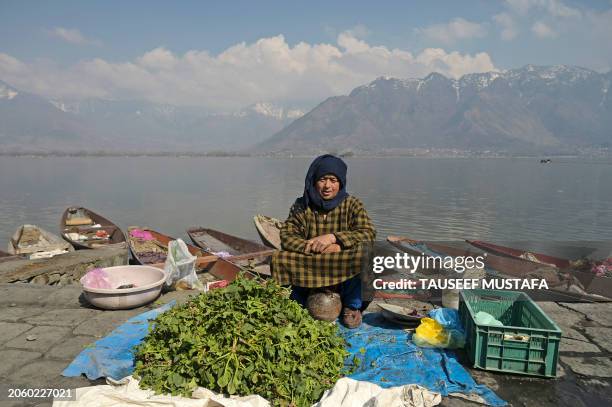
pixel 352 393
pixel 127 393
pixel 346 393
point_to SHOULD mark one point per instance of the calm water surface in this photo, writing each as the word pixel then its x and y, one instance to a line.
pixel 445 199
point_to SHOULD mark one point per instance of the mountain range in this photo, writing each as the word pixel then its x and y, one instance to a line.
pixel 33 123
pixel 533 108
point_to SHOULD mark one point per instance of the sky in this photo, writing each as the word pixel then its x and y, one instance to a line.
pixel 227 55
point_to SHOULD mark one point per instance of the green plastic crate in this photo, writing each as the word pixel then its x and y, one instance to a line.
pixel 527 344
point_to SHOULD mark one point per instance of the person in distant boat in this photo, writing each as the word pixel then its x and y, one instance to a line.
pixel 323 240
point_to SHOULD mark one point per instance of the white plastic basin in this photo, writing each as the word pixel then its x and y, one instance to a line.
pixel 148 282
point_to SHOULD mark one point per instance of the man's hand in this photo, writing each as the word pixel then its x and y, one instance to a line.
pixel 332 248
pixel 319 243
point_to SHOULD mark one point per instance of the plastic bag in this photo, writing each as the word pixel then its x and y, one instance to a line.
pixel 141 234
pixel 442 330
pixel 447 317
pixel 484 318
pixel 180 267
pixel 96 278
pixel 430 334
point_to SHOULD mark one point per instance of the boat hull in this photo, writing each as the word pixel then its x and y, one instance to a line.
pixel 559 281
pixel 204 258
pixel 268 229
pixel 116 236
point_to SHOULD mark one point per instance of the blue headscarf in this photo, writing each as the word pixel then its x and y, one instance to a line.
pixel 323 165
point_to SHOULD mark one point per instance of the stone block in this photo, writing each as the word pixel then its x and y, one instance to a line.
pixel 589 366
pixel 14 314
pixel 571 345
pixel 41 279
pixel 104 322
pixel 46 337
pixel 75 264
pixel 39 373
pixel 70 348
pixel 601 336
pixel 572 334
pixel 13 360
pixel 599 312
pixel 562 316
pixel 62 317
pixel 10 330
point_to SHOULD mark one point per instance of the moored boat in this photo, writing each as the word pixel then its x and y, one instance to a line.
pixel 37 243
pixel 85 229
pixel 243 253
pixel 566 284
pixel 229 269
pixel 520 254
pixel 269 230
pixel 149 247
pixel 226 245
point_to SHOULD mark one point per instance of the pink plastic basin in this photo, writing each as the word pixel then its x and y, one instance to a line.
pixel 148 282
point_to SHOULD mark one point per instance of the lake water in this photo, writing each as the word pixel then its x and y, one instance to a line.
pixel 425 198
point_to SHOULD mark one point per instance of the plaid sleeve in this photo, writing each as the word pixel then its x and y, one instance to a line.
pixel 360 225
pixel 293 232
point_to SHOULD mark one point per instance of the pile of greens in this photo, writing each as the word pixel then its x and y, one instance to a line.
pixel 247 338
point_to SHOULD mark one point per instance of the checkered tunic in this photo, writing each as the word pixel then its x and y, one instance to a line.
pixel 350 223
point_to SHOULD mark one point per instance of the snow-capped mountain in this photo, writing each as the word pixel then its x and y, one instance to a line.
pixel 96 124
pixel 6 92
pixel 534 108
pixel 526 109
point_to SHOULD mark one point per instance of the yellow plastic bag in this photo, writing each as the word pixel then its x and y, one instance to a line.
pixel 431 334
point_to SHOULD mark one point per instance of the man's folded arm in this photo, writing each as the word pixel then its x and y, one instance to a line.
pixel 293 232
pixel 361 229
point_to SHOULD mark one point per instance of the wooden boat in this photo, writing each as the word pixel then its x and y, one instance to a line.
pixel 153 248
pixel 269 230
pixel 228 269
pixel 214 241
pixel 85 229
pixel 585 286
pixel 36 243
pixel 520 254
pixel 243 253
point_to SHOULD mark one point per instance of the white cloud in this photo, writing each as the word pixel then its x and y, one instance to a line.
pixel 597 32
pixel 454 30
pixel 508 26
pixel 268 69
pixel 520 6
pixel 72 36
pixel 542 30
pixel 558 9
pixel 555 8
pixel 10 65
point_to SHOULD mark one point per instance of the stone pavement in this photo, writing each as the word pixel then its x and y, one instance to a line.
pixel 43 328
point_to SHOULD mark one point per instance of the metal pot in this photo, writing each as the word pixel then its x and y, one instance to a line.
pixel 324 305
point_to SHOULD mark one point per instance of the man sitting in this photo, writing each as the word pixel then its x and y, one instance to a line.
pixel 323 239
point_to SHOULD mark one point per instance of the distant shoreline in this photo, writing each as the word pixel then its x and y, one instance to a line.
pixel 423 153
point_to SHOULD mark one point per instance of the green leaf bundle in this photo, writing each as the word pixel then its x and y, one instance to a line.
pixel 247 338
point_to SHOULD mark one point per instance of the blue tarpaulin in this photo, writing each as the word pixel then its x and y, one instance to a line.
pixel 389 358
pixel 112 355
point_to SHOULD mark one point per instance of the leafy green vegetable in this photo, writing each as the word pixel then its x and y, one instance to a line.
pixel 247 338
